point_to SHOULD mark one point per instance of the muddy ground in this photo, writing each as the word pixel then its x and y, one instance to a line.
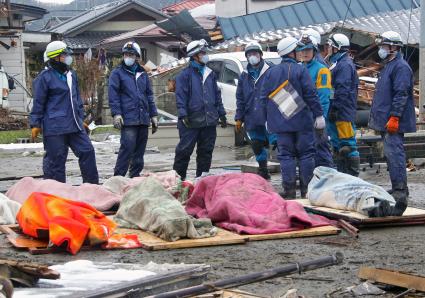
pixel 398 248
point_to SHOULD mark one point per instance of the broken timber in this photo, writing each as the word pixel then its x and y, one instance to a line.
pixel 395 278
pixel 412 216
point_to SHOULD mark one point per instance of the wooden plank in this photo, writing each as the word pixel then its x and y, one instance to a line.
pixel 390 277
pixel 252 167
pixel 319 231
pixel 410 215
pixel 151 242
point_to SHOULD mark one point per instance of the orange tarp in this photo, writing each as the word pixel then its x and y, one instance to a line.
pixel 64 221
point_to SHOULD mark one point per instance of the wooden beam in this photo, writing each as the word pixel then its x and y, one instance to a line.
pixel 390 277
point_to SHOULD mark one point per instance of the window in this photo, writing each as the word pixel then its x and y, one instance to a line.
pixel 216 67
pixel 230 73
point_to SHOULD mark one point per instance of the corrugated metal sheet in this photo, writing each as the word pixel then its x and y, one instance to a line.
pixel 307 13
pixel 98 12
pixel 372 24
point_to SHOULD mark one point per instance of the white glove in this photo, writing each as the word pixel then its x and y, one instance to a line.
pixel 154 121
pixel 320 123
pixel 118 121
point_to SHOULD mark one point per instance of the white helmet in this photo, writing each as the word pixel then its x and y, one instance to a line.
pixel 132 48
pixel 286 45
pixel 45 58
pixel 314 36
pixel 196 46
pixel 391 38
pixel 253 46
pixel 339 41
pixel 57 47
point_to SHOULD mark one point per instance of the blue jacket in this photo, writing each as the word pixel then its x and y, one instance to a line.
pixel 394 97
pixel 345 83
pixel 249 108
pixel 302 83
pixel 198 97
pixel 319 58
pixel 321 76
pixel 54 110
pixel 130 95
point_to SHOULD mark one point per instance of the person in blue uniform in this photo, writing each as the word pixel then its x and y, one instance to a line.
pixel 343 106
pixel 293 112
pixel 250 110
pixel 199 108
pixel 321 76
pixel 58 114
pixel 393 113
pixel 133 107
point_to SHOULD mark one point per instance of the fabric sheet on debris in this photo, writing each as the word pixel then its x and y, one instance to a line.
pixel 68 223
pixel 8 210
pixel 102 197
pixel 330 188
pixel 246 203
pixel 150 207
pixel 83 278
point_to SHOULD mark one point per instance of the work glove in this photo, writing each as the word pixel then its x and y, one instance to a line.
pixel 333 114
pixel 186 121
pixel 86 127
pixel 238 126
pixel 320 123
pixel 392 125
pixel 154 121
pixel 118 121
pixel 35 131
pixel 223 121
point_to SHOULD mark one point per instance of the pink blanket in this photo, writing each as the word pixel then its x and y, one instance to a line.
pixel 94 195
pixel 246 203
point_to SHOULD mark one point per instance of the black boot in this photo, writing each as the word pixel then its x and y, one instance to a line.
pixel 400 194
pixel 263 171
pixel 381 209
pixel 289 191
pixel 353 166
pixel 303 189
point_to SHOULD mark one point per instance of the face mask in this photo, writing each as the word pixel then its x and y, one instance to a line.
pixel 129 61
pixel 253 60
pixel 204 59
pixel 68 60
pixel 382 53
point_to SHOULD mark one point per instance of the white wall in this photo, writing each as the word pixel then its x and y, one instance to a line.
pixel 13 61
pixel 232 8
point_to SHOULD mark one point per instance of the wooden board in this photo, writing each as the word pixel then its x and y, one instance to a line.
pixel 151 242
pixel 320 231
pixel 410 216
pixel 390 277
pixel 252 167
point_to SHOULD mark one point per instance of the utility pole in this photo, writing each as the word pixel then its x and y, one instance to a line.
pixel 422 66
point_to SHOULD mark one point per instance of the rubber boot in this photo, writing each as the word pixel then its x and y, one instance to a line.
pixel 289 191
pixel 400 194
pixel 303 189
pixel 263 171
pixel 381 209
pixel 341 163
pixel 353 166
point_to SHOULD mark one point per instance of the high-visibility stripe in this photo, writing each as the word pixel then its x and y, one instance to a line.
pixel 324 79
pixel 53 54
pixel 278 89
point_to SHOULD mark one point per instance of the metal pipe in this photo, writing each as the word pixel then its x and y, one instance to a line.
pixel 303 266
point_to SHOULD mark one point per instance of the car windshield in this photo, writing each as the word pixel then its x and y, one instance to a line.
pixel 275 61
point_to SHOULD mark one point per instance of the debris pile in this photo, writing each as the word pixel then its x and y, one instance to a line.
pixel 8 122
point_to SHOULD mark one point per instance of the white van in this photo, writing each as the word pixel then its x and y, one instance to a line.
pixel 228 67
